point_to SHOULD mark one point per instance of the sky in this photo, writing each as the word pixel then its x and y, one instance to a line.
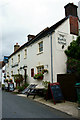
pixel 19 18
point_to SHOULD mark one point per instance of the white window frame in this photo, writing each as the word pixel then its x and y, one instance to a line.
pixel 40 68
pixel 25 53
pixel 11 61
pixel 18 58
pixel 40 47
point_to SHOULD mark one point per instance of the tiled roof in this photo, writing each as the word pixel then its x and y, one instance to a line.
pixel 2 64
pixel 40 35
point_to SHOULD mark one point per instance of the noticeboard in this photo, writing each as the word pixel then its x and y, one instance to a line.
pixel 56 92
pixel 11 86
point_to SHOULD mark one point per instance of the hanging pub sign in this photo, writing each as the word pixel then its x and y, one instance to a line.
pixel 54 90
pixel 5 59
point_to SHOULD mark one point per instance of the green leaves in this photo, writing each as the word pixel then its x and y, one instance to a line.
pixel 73 54
pixel 73 50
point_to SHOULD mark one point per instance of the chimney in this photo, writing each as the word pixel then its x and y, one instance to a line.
pixel 16 47
pixel 71 9
pixel 30 37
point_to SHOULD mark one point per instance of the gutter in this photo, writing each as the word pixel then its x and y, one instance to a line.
pixel 51 58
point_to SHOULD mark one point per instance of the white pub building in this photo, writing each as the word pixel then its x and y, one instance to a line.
pixel 45 50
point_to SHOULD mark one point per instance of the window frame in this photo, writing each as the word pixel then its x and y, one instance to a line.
pixel 25 53
pixel 40 68
pixel 40 46
pixel 11 61
pixel 18 58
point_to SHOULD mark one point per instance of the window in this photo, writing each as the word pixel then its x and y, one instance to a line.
pixel 32 72
pixel 7 74
pixel 41 46
pixel 39 69
pixel 12 61
pixel 11 72
pixel 18 58
pixel 18 71
pixel 25 53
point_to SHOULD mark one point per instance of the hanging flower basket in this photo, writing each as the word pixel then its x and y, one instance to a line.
pixel 18 78
pixel 6 80
pixel 44 71
pixel 10 80
pixel 7 75
pixel 38 76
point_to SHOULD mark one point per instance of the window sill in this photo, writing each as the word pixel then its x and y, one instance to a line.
pixel 39 53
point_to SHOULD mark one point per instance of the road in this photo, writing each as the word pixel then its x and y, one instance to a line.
pixel 14 106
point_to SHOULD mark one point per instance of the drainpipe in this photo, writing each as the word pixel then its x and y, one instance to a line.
pixel 51 58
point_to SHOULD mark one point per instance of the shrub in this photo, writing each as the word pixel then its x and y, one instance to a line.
pixel 20 88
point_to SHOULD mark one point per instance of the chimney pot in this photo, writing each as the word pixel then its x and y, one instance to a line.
pixel 71 9
pixel 16 47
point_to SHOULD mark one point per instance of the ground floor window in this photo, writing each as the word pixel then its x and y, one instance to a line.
pixel 40 68
pixel 11 72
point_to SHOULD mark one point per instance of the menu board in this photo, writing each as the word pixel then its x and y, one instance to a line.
pixel 56 92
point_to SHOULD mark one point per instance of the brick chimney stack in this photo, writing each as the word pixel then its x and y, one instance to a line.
pixel 71 12
pixel 71 9
pixel 16 47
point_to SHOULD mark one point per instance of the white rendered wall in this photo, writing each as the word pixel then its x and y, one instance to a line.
pixel 35 59
pixel 59 57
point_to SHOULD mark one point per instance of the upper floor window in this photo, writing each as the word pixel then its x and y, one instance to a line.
pixel 18 58
pixel 40 68
pixel 18 71
pixel 41 46
pixel 11 72
pixel 25 53
pixel 12 61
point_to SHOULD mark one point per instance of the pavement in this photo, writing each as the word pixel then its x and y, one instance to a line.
pixel 71 108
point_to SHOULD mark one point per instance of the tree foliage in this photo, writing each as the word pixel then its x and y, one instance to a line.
pixel 73 54
pixel 73 50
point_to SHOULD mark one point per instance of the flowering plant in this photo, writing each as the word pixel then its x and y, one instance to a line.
pixel 6 80
pixel 7 75
pixel 44 71
pixel 18 78
pixel 38 76
pixel 10 80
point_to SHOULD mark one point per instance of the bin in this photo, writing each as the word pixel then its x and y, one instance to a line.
pixel 78 93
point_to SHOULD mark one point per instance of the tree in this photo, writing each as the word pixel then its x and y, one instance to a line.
pixel 73 50
pixel 73 54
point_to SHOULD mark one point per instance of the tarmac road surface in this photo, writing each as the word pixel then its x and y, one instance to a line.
pixel 14 106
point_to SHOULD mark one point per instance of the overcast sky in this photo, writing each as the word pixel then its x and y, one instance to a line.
pixel 18 18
